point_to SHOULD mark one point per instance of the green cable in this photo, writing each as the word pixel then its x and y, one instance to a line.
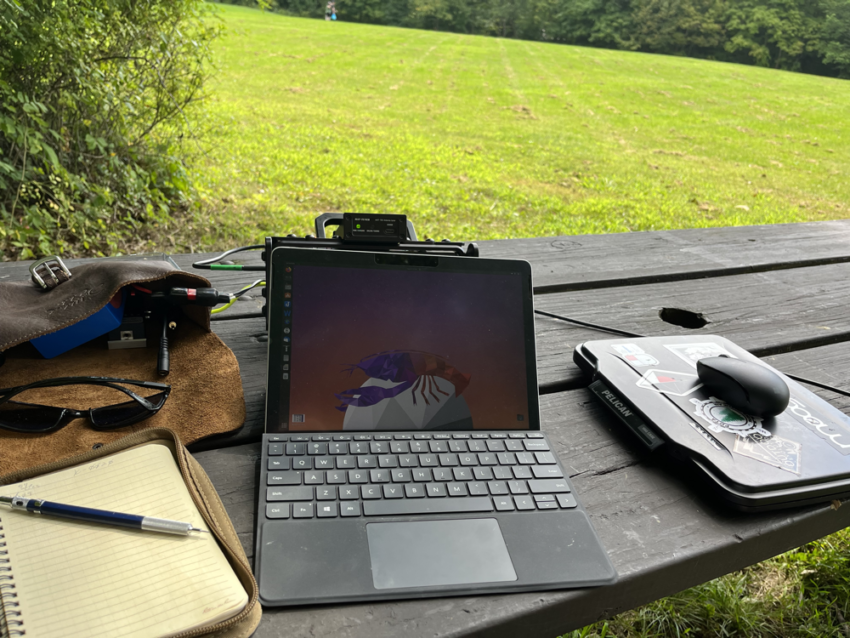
pixel 225 266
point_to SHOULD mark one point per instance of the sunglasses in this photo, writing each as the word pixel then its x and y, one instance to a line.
pixel 19 416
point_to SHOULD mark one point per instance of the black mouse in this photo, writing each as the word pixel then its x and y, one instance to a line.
pixel 751 388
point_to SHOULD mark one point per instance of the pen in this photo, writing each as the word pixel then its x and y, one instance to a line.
pixel 104 517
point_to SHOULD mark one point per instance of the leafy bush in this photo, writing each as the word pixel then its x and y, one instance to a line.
pixel 93 99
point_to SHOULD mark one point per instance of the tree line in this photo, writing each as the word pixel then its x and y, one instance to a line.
pixel 809 36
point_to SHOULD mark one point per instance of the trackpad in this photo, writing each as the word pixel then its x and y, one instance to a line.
pixel 438 553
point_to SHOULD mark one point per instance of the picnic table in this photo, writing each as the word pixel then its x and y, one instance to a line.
pixel 780 291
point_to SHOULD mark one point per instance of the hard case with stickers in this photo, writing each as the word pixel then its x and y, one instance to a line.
pixel 798 457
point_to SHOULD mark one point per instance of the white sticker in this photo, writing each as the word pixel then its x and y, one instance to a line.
pixel 641 360
pixel 679 384
pixel 774 451
pixel 693 352
pixel 627 348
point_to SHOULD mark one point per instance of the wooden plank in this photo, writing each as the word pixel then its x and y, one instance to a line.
pixel 765 313
pixel 661 532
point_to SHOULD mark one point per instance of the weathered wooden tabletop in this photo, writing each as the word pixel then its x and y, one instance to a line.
pixel 782 292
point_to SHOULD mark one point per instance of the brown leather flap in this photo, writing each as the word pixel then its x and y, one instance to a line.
pixel 29 312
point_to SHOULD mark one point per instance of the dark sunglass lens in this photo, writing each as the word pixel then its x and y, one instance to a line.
pixel 25 417
pixel 121 414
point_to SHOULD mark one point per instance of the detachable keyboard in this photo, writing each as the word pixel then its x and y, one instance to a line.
pixel 336 475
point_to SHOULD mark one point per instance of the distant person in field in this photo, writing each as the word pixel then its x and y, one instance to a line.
pixel 329 10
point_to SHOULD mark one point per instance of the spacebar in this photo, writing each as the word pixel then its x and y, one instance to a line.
pixel 431 506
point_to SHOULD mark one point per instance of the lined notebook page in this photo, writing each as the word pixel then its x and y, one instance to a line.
pixel 82 579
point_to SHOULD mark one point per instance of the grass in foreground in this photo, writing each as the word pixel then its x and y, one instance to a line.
pixel 477 137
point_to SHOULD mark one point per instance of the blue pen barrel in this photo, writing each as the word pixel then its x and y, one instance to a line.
pixel 89 515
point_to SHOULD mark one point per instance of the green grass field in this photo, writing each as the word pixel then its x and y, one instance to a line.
pixel 477 137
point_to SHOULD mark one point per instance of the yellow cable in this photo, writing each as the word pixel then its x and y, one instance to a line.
pixel 230 303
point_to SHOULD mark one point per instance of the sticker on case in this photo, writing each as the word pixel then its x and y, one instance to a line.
pixel 693 352
pixel 627 348
pixel 772 450
pixel 679 384
pixel 721 417
pixel 641 360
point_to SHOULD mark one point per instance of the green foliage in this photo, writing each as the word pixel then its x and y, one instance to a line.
pixel 93 96
pixel 483 138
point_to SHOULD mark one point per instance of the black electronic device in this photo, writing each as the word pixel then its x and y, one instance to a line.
pixel 749 387
pixel 796 457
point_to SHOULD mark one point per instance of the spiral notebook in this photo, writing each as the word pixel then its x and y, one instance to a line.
pixel 68 579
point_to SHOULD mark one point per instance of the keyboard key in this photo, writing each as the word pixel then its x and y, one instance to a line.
pixel 342 437
pixel 370 491
pixel 522 471
pixel 317 449
pixel 299 438
pixel 402 437
pixel 289 494
pixel 421 437
pixel 535 435
pixel 401 476
pixel 498 435
pixel 536 446
pixel 567 501
pixel 496 446
pixel 442 436
pixel 338 448
pixel 428 506
pixel 462 474
pixel 503 504
pixel 345 462
pixel 542 498
pixel 460 436
pixel 383 437
pixel 487 459
pixel 325 493
pixel 498 487
pixel 275 449
pixel 439 446
pixel 514 446
pixel 326 463
pixel 548 486
pixel 503 473
pixel 457 489
pixel 277 511
pixel 545 458
pixel 547 471
pixel 393 491
pixel 387 460
pixel 278 463
pixel 326 510
pixel 480 435
pixel 379 447
pixel 296 449
pixel 448 460
pixel 358 476
pixel 468 459
pixel 525 458
pixel 400 447
pixel 517 487
pixel 412 490
pixel 524 502
pixel 314 478
pixel 437 489
pixel 421 476
pixel 348 493
pixel 477 488
pixel 418 446
pixel 283 478
pixel 358 447
pixel 482 473
pixel 349 509
pixel 458 446
pixel 477 446
pixel 443 474
pixel 302 463
pixel 547 505
pixel 362 437
pixel 321 437
pixel 408 460
pixel 335 478
pixel 367 461
pixel 379 476
pixel 506 458
pixel 516 435
pixel 428 460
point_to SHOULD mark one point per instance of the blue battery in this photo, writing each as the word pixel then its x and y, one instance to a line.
pixel 104 320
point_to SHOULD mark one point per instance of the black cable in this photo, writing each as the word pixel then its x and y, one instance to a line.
pixel 211 264
pixel 817 384
pixel 247 288
pixel 226 317
pixel 588 325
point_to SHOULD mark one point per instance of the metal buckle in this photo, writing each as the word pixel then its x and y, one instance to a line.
pixel 53 269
